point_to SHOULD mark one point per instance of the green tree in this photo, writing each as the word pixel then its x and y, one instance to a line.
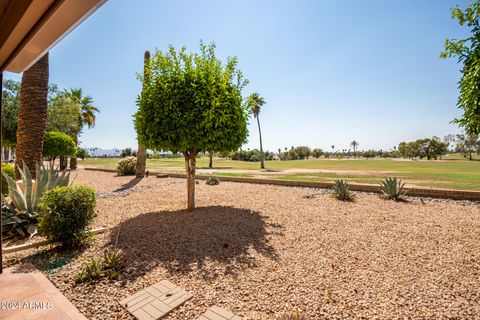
pixel 58 144
pixel 317 152
pixel 467 144
pixel 87 116
pixel 63 116
pixel 467 51
pixel 191 103
pixel 10 105
pixel 255 102
pixel 354 145
pixel 127 152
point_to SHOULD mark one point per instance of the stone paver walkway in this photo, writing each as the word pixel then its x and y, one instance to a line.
pixel 25 293
pixel 217 313
pixel 156 301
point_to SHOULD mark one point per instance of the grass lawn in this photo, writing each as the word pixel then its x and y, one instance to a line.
pixel 456 174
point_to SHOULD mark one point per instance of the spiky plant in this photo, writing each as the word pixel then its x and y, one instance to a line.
pixel 22 214
pixel 393 189
pixel 341 191
pixel 213 181
pixel 113 263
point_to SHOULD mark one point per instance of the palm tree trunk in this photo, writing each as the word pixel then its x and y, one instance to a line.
pixel 73 159
pixel 262 163
pixel 32 115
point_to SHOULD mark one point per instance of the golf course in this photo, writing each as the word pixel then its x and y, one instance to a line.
pixel 450 174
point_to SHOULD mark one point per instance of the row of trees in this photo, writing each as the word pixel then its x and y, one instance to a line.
pixel 68 111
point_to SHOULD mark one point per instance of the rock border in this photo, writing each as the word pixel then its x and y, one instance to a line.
pixel 454 194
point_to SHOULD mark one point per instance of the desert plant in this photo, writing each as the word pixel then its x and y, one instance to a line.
pixel 65 214
pixel 213 181
pixel 91 270
pixel 109 266
pixel 17 223
pixel 341 191
pixel 126 166
pixel 295 315
pixel 393 189
pixel 9 170
pixel 26 194
pixel 113 263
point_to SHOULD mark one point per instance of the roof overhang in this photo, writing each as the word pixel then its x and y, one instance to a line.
pixel 29 28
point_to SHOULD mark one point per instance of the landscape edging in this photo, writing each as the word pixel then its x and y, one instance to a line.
pixel 414 192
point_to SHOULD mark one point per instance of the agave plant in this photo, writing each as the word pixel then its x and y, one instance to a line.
pixel 21 216
pixel 21 223
pixel 393 189
pixel 341 191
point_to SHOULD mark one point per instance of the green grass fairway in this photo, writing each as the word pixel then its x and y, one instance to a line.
pixel 456 174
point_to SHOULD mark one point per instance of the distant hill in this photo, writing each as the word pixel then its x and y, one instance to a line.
pixel 99 152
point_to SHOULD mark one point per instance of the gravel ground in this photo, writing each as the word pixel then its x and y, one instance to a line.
pixel 260 250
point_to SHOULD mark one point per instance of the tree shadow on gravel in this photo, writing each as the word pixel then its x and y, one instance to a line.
pixel 184 240
pixel 130 184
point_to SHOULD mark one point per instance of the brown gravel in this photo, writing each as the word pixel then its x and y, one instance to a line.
pixel 259 250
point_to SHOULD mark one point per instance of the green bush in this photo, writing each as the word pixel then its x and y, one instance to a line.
pixel 126 166
pixel 9 170
pixel 66 212
pixel 213 181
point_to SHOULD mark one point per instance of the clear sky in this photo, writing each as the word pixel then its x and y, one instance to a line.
pixel 330 71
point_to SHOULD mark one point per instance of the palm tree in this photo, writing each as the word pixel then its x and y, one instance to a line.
pixel 87 115
pixel 255 101
pixel 354 145
pixel 32 115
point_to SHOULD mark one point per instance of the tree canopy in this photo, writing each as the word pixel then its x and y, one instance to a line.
pixel 192 102
pixel 468 53
pixel 58 144
pixel 10 105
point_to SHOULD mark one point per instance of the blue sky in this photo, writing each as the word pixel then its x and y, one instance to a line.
pixel 330 71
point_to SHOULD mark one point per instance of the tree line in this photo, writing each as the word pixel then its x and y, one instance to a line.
pixel 68 112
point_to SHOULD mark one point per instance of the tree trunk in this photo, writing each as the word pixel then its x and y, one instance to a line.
pixel 262 163
pixel 73 159
pixel 6 154
pixel 190 163
pixel 210 162
pixel 64 162
pixel 141 165
pixel 32 115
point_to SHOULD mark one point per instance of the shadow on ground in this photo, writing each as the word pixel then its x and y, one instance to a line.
pixel 182 240
pixel 130 184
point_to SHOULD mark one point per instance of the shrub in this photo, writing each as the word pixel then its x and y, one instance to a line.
pixel 393 189
pixel 341 191
pixel 66 212
pixel 126 166
pixel 213 181
pixel 58 144
pixel 9 170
